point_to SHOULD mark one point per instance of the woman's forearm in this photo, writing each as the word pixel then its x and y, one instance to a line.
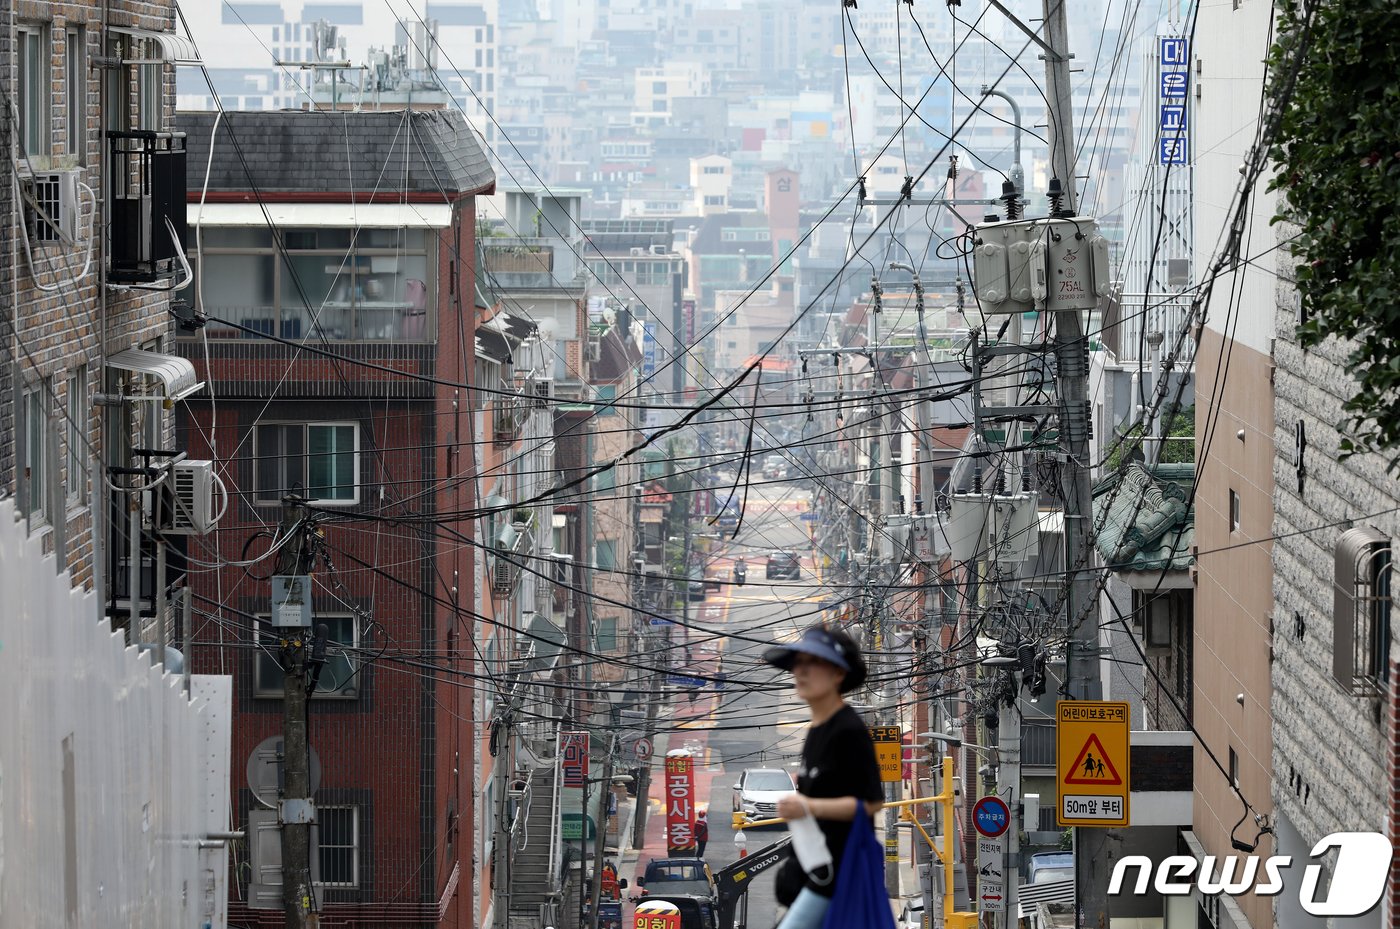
pixel 840 809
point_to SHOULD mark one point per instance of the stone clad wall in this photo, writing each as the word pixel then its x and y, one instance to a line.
pixel 1333 765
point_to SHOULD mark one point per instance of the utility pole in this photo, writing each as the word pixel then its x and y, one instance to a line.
pixel 600 830
pixel 1072 354
pixel 297 812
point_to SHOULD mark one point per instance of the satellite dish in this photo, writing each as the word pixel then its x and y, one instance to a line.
pixel 265 771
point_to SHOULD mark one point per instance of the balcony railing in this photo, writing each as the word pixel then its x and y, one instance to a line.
pixel 378 321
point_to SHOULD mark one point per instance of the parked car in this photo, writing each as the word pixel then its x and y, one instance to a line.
pixel 1050 866
pixel 912 916
pixel 695 587
pixel 681 876
pixel 757 791
pixel 784 565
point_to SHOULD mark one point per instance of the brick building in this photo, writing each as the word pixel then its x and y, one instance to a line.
pixel 336 287
pixel 74 330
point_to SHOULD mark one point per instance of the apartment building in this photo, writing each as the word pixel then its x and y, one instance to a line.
pixel 336 304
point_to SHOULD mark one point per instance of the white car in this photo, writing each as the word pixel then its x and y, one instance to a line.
pixel 913 915
pixel 758 789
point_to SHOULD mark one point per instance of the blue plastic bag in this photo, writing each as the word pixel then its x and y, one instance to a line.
pixel 860 900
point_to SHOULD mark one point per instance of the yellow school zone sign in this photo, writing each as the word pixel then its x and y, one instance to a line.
pixel 1091 763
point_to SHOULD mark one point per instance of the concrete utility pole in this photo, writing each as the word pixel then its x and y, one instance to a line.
pixel 1072 354
pixel 600 830
pixel 297 812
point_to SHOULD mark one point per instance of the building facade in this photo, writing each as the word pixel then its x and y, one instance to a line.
pixel 336 315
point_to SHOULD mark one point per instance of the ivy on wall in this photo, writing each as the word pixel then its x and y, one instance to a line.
pixel 1334 68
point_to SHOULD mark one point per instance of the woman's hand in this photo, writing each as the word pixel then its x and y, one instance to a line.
pixel 792 806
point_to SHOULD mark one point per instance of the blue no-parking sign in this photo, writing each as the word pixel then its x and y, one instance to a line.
pixel 991 816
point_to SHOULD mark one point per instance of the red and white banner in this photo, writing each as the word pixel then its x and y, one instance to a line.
pixel 574 745
pixel 680 800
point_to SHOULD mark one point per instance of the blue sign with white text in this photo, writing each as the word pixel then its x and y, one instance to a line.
pixel 1171 50
pixel 991 816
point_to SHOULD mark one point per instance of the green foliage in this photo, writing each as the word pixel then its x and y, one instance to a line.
pixel 1333 74
pixel 1183 426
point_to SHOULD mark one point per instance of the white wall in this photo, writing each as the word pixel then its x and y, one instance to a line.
pixel 109 776
pixel 1230 47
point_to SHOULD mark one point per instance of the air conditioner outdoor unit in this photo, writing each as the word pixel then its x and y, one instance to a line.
pixel 502 576
pixel 51 206
pixel 638 250
pixel 658 249
pixel 190 509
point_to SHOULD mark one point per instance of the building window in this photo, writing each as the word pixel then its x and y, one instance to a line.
pixel 118 80
pixel 319 461
pixel 150 87
pixel 1234 768
pixel 1234 512
pixel 714 200
pixel 1361 602
pixel 34 90
pixel 607 554
pixel 339 842
pixel 341 284
pixel 77 435
pixel 338 680
pixel 34 460
pixel 75 71
pixel 607 634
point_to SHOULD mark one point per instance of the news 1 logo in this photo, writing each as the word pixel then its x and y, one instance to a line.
pixel 1358 880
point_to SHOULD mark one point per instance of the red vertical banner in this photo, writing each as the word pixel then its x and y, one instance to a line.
pixel 680 800
pixel 574 745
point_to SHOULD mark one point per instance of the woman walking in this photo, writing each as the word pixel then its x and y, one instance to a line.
pixel 838 769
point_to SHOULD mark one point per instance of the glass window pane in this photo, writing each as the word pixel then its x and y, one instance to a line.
pixel 239 288
pixel 235 237
pixel 269 671
pixel 316 289
pixel 331 463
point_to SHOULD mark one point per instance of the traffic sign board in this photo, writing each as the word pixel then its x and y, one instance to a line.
pixel 888 752
pixel 643 749
pixel 1091 763
pixel 991 816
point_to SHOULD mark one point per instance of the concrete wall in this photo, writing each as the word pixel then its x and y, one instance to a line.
pixel 111 776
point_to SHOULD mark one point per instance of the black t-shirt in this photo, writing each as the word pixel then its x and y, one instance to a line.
pixel 838 760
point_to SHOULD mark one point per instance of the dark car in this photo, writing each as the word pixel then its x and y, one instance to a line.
pixel 784 565
pixel 682 876
pixel 695 585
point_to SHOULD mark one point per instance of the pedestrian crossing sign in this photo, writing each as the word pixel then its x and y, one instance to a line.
pixel 1092 763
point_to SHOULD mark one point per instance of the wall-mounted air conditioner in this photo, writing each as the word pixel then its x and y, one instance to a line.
pixel 190 506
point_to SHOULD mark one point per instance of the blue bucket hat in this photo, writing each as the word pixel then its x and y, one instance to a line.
pixel 836 648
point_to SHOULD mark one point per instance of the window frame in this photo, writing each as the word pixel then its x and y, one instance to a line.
pixel 75 88
pixel 259 498
pixel 78 392
pixel 264 690
pixel 41 121
pixel 32 467
pixel 354 846
pixel 1235 511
